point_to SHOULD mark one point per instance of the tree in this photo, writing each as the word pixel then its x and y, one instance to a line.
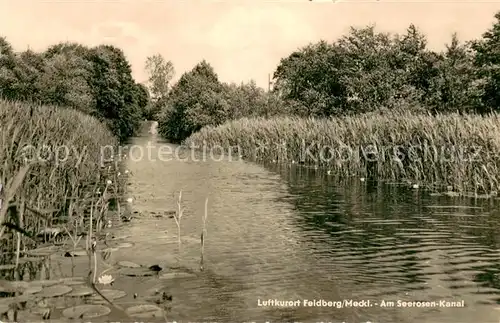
pixel 97 81
pixel 143 100
pixel 115 90
pixel 196 100
pixel 487 60
pixel 7 65
pixel 160 73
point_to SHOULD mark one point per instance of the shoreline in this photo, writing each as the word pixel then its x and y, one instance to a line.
pixel 448 136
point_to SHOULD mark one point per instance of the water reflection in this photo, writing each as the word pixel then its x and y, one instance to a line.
pixel 394 240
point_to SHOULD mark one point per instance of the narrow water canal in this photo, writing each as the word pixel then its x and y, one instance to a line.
pixel 295 234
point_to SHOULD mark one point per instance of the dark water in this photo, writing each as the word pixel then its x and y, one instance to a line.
pixel 292 233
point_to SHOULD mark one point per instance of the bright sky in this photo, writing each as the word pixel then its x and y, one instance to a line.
pixel 242 40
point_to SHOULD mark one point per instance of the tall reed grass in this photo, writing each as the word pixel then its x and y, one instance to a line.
pixel 456 151
pixel 53 193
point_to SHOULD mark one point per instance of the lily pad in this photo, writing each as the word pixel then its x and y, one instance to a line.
pixel 137 272
pixel 125 245
pixel 128 264
pixel 72 280
pixel 80 291
pixel 33 290
pixel 42 252
pixel 177 275
pixel 7 301
pixel 55 291
pixel 110 294
pixel 86 311
pixel 13 286
pixel 44 283
pixel 144 311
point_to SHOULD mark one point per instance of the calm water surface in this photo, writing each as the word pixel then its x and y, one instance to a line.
pixel 292 233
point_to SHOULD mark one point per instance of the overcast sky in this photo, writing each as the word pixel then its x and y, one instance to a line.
pixel 242 40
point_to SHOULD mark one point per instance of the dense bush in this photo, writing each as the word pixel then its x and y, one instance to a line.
pixel 199 99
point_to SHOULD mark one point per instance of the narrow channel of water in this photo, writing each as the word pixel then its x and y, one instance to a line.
pixel 295 234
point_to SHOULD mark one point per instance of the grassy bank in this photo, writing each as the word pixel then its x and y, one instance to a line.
pixel 52 172
pixel 452 151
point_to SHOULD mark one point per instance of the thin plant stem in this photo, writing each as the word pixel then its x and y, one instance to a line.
pixel 202 237
pixel 177 218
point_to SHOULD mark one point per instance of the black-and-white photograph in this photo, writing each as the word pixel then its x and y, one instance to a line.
pixel 250 161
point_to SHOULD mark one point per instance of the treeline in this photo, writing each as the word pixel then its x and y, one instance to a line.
pixel 361 72
pixel 199 99
pixel 97 81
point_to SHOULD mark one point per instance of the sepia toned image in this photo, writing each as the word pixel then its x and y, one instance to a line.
pixel 250 161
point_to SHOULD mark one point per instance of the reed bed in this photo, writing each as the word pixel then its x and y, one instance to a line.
pixel 53 173
pixel 452 151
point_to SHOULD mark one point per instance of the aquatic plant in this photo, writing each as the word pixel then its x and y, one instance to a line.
pixel 51 166
pixel 203 234
pixel 177 218
pixel 458 150
pixel 106 280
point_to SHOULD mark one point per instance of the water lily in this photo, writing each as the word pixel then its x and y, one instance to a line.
pixel 126 171
pixel 118 174
pixel 130 200
pixel 106 280
pixel 109 182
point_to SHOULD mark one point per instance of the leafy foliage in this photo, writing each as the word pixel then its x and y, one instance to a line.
pixel 366 70
pixel 195 101
pixel 97 81
pixel 160 73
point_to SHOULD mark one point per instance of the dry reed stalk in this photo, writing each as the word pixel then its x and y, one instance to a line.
pixel 117 188
pixel 18 234
pixel 75 243
pixel 428 134
pixel 177 218
pixel 202 237
pixel 10 191
pixel 48 185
